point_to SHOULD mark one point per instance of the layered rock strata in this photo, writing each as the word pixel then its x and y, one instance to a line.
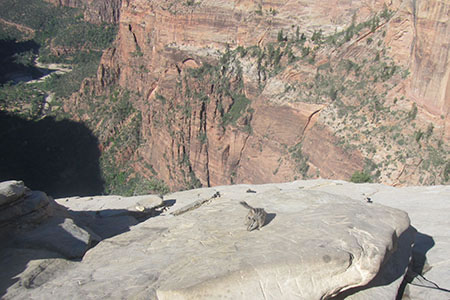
pixel 95 11
pixel 240 92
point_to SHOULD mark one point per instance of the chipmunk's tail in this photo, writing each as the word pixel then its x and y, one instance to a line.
pixel 244 204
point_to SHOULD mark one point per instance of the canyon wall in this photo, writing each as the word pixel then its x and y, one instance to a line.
pixel 420 40
pixel 430 85
pixel 95 11
pixel 270 91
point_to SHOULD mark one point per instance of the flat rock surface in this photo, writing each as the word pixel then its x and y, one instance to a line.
pixel 314 245
pixel 111 205
pixel 108 216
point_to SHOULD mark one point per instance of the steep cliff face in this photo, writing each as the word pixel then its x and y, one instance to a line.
pixel 238 91
pixel 419 39
pixel 430 84
pixel 95 11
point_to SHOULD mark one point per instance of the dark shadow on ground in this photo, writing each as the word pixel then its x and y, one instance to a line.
pixel 60 158
pixel 418 265
pixel 422 244
pixel 269 218
pixel 13 261
pixel 166 205
pixel 393 269
pixel 10 62
pixel 111 222
pixel 169 202
pixel 9 47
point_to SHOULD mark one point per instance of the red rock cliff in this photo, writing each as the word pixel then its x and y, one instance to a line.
pixel 95 11
pixel 430 85
pixel 322 89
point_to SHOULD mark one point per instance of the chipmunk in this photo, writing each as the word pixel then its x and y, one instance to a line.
pixel 255 218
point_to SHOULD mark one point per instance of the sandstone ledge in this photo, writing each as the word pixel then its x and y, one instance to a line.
pixel 314 245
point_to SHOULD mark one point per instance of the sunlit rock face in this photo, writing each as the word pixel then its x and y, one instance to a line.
pixel 237 92
pixel 95 11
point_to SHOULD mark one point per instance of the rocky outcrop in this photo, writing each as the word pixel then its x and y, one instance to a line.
pixel 313 245
pixel 31 219
pixel 321 239
pixel 428 209
pixel 11 191
pixel 95 11
pixel 35 229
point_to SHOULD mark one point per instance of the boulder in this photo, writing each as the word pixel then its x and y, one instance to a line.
pixel 10 191
pixel 313 245
pixel 429 210
pixel 34 227
pixel 32 207
pixel 31 219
